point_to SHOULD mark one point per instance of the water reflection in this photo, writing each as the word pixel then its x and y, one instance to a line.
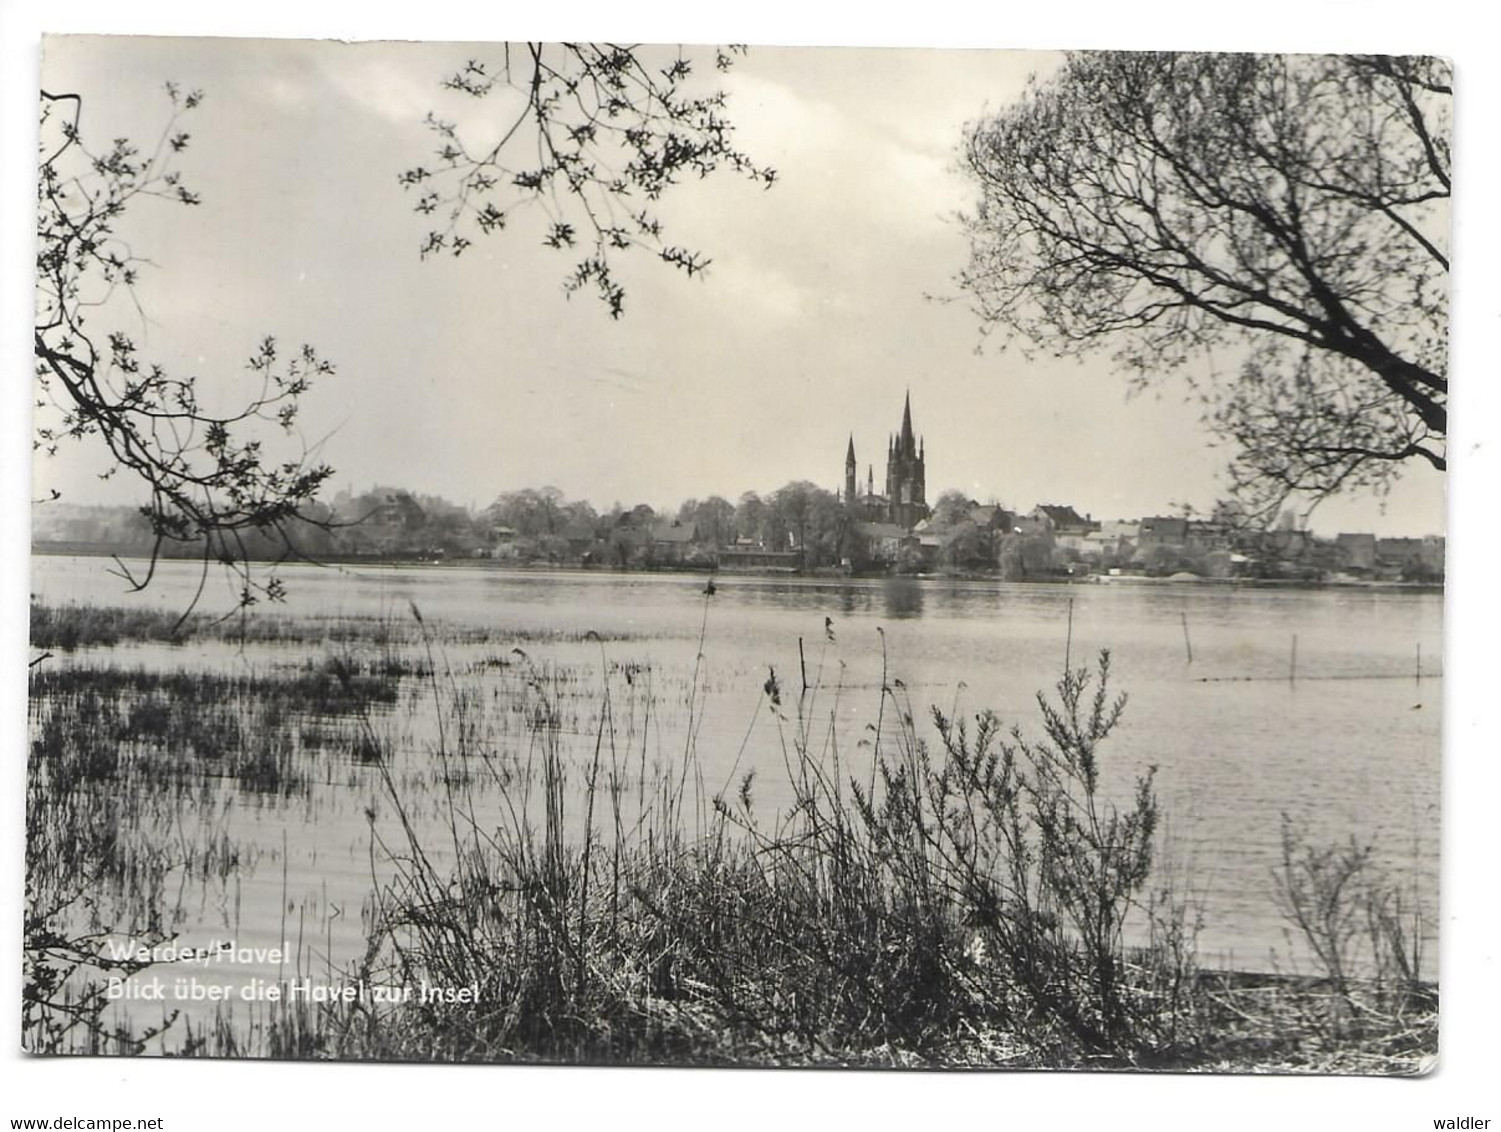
pixel 903 597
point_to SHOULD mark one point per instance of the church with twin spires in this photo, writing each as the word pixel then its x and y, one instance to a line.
pixel 905 503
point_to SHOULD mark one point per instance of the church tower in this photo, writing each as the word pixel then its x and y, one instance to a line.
pixel 906 474
pixel 849 473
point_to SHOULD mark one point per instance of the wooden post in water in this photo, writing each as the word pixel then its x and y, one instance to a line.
pixel 1068 641
pixel 1417 664
pixel 1187 644
pixel 1292 664
pixel 802 665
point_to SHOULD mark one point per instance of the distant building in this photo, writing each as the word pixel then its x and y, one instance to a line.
pixel 1128 529
pixel 1115 539
pixel 1356 552
pixel 1434 553
pixel 1161 530
pixel 991 518
pixel 1401 553
pixel 672 542
pixel 1069 529
pixel 1063 520
pixel 746 556
pixel 905 502
pixel 883 540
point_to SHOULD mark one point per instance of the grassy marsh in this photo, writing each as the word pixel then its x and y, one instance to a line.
pixel 934 892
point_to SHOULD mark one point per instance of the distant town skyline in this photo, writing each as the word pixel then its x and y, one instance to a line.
pixel 829 296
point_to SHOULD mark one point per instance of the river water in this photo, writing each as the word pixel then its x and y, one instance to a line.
pixel 1323 705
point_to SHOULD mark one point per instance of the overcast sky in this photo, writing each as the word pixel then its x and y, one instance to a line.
pixel 474 376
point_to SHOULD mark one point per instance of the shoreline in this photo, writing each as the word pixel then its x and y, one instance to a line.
pixel 819 574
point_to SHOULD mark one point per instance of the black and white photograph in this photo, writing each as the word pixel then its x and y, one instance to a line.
pixel 738 556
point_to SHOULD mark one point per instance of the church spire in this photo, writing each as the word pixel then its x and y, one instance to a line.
pixel 908 445
pixel 849 456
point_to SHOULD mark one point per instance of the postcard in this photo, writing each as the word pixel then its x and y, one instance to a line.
pixel 493 599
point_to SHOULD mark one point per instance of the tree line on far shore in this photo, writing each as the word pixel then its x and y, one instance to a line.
pixel 529 524
pixel 798 526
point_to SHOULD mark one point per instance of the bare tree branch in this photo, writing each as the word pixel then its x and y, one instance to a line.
pixel 597 133
pixel 210 473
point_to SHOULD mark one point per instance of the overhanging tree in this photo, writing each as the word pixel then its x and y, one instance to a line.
pixel 1287 211
pixel 203 458
pixel 581 140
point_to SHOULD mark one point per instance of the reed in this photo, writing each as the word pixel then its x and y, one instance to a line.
pixel 72 626
pixel 936 890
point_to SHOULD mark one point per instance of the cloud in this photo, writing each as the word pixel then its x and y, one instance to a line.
pixel 766 289
pixel 839 161
pixel 382 82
